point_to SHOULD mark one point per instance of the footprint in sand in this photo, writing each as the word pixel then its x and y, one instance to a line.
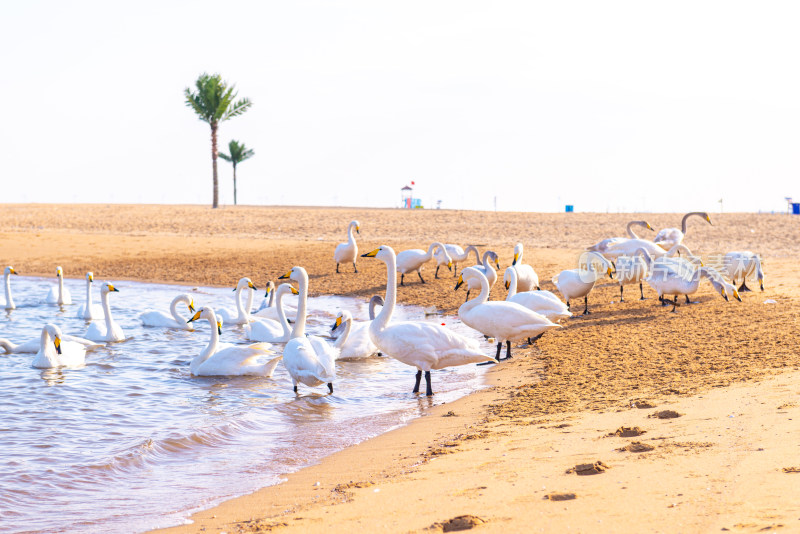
pixel 462 522
pixel 665 414
pixel 628 432
pixel 588 469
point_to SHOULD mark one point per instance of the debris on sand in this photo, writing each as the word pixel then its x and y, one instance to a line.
pixel 560 496
pixel 628 432
pixel 588 469
pixel 642 404
pixel 462 522
pixel 665 414
pixel 636 446
pixel 791 469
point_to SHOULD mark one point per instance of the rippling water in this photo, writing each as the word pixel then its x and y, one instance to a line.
pixel 131 441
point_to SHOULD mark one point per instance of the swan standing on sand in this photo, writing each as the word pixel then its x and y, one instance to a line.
pixel 59 294
pixel 242 314
pixel 411 260
pixel 500 319
pixel 348 252
pixel 89 311
pixel 603 246
pixel 422 345
pixel 669 237
pixel 576 283
pixel 456 254
pixel 633 269
pixel 268 310
pixel 686 283
pixel 55 352
pixel 488 271
pixel 527 278
pixel 542 302
pixel 309 359
pixel 273 331
pixel 8 304
pixel 230 360
pixel 174 319
pixel 737 265
pixel 110 331
pixel 355 341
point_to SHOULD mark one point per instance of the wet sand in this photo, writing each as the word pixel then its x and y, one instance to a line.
pixel 731 370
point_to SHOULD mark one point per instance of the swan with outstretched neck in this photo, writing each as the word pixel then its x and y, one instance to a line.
pixel 423 345
pixel 669 237
pixel 88 311
pixel 174 319
pixel 487 267
pixel 273 331
pixel 108 330
pixel 309 359
pixel 230 360
pixel 242 313
pixel 59 294
pixel 408 261
pixel 455 254
pixel 348 252
pixel 8 304
pixel 682 282
pixel 603 246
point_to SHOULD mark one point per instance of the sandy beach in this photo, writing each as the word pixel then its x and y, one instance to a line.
pixel 631 419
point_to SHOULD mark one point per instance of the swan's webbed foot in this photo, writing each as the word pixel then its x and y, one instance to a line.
pixel 744 287
pixel 419 273
pixel 416 384
pixel 330 387
pixel 687 299
pixel 428 389
pixel 674 303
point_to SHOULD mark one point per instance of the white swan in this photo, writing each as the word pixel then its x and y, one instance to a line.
pixel 173 319
pixel 59 294
pixel 542 302
pixel 683 282
pixel 423 345
pixel 527 278
pixel 488 270
pixel 348 252
pixel 737 265
pixel 242 314
pixel 411 260
pixel 89 311
pixel 633 269
pixel 230 360
pixel 669 237
pixel 268 310
pixel 8 304
pixel 32 346
pixel 502 320
pixel 576 283
pixel 456 255
pixel 628 247
pixel 110 331
pixel 55 352
pixel 603 246
pixel 273 331
pixel 670 263
pixel 355 341
pixel 309 359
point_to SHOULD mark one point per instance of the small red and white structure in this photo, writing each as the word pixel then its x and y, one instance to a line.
pixel 407 198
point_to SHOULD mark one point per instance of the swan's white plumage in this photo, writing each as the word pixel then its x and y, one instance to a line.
pixel 741 265
pixel 542 302
pixel 8 303
pixel 108 329
pixel 59 294
pixel 487 267
pixel 576 283
pixel 242 313
pixel 669 237
pixel 355 341
pixel 408 261
pixel 348 252
pixel 603 245
pixel 55 352
pixel 272 331
pixel 268 310
pixel 527 278
pixel 174 319
pixel 88 310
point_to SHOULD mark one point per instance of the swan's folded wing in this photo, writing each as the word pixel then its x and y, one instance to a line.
pixel 87 343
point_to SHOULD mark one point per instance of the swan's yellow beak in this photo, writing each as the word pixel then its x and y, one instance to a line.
pixel 610 273
pixel 191 305
pixel 219 327
pixel 508 284
pixel 650 227
pixel 285 276
pixel 195 317
pixel 12 271
pixel 295 291
pixel 358 230
pixel 761 283
pixel 337 323
pixel 459 283
pixel 708 218
pixel 112 288
pixel 497 262
pixel 251 286
pixel 269 290
pixel 736 294
pixel 371 254
pixel 515 259
pixel 59 272
pixel 57 343
pixel 449 265
pixel 91 277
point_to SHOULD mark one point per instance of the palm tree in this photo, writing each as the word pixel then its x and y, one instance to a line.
pixel 213 103
pixel 238 153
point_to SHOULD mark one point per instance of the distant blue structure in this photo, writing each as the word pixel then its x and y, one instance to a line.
pixel 796 208
pixel 569 208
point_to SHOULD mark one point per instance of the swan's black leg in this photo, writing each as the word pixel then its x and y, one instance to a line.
pixel 420 276
pixel 455 270
pixel 743 287
pixel 675 303
pixel 436 274
pixel 530 341
pixel 687 299
pixel 568 309
pixel 295 389
pixel 416 384
pixel 354 266
pixel 402 275
pixel 330 387
pixel 428 389
pixel 499 348
pixel 641 290
pixel 337 267
pixel 508 350
pixel 586 305
pixel 621 299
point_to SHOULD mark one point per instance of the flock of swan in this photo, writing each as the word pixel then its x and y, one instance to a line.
pixel 526 314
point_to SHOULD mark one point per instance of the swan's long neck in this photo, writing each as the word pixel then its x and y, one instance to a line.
pixel 282 316
pixel 61 289
pixel 376 300
pixel 107 312
pixel 351 239
pixel 485 261
pixel 7 345
pixel 88 296
pixel 46 345
pixel 473 248
pixel 271 298
pixel 683 221
pixel 630 226
pixel 173 309
pixel 343 338
pixel 482 297
pixel 431 249
pixel 249 306
pixel 242 314
pixel 299 329
pixel 211 348
pixel 9 300
pixel 381 321
pixel 512 283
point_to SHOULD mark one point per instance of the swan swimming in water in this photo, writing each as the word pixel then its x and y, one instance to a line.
pixel 355 341
pixel 242 314
pixel 230 360
pixel 173 320
pixel 423 345
pixel 268 309
pixel 55 352
pixel 8 304
pixel 110 331
pixel 34 345
pixel 503 320
pixel 273 331
pixel 89 311
pixel 348 252
pixel 59 294
pixel 309 359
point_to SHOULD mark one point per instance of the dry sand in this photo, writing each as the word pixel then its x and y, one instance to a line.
pixel 501 456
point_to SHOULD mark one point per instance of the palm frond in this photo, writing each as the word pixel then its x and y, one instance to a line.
pixel 224 156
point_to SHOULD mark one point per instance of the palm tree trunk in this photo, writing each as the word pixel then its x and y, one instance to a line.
pixel 234 183
pixel 215 203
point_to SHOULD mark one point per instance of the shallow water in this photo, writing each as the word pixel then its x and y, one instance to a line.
pixel 131 441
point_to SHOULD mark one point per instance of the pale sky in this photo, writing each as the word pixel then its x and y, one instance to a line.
pixel 610 106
